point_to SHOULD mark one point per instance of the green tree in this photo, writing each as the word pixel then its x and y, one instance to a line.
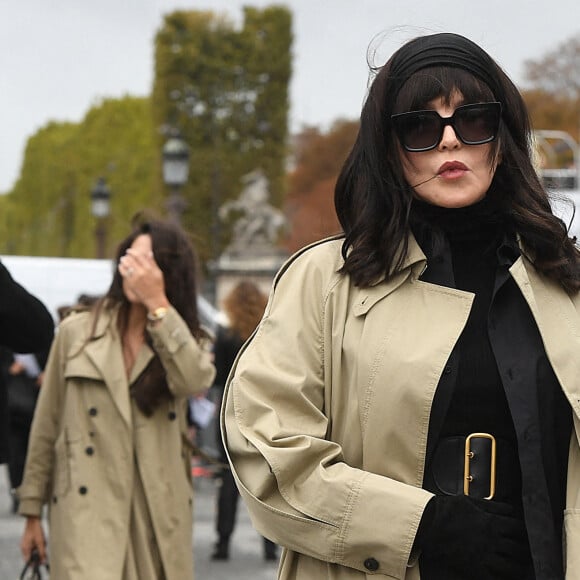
pixel 48 211
pixel 226 92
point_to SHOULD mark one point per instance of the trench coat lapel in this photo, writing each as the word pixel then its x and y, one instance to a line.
pixel 557 318
pixel 106 354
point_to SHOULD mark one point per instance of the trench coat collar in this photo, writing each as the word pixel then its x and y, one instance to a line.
pixel 106 354
pixel 413 265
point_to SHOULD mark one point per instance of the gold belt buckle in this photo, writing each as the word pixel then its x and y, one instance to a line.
pixel 469 456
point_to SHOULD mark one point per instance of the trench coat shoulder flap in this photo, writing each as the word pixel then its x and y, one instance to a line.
pixel 99 358
pixel 332 245
pixel 413 264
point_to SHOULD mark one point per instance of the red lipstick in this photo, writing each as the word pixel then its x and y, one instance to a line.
pixel 452 169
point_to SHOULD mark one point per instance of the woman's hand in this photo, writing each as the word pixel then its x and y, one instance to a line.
pixel 144 279
pixel 33 537
pixel 16 368
pixel 474 538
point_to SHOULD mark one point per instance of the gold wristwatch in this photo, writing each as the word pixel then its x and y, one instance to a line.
pixel 157 314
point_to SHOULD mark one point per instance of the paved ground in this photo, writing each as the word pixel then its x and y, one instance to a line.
pixel 245 562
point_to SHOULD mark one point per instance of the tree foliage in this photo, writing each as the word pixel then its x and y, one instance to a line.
pixel 48 212
pixel 558 71
pixel 309 203
pixel 553 93
pixel 226 92
pixel 553 113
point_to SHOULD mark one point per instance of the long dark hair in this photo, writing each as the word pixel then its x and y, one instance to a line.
pixel 176 258
pixel 373 199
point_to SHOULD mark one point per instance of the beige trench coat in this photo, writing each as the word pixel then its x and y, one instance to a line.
pixel 327 410
pixel 83 444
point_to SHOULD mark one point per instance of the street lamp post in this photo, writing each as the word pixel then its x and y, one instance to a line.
pixel 175 173
pixel 100 208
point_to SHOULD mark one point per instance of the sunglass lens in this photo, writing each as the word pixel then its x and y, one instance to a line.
pixel 477 124
pixel 419 130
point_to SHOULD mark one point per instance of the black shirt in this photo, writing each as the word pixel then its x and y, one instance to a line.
pixel 498 379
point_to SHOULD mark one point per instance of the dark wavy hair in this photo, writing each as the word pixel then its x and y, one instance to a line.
pixel 373 199
pixel 175 255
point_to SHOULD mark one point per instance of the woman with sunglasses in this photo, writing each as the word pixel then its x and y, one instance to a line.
pixel 408 406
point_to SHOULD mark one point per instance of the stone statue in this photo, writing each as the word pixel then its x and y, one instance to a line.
pixel 257 228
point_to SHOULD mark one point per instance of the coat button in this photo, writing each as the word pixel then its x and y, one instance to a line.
pixel 83 490
pixel 172 416
pixel 93 411
pixel 54 499
pixel 89 450
pixel 371 564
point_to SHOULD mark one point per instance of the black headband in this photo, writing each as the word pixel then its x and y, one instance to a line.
pixel 443 49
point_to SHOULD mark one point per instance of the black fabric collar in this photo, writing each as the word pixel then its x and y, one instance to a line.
pixel 509 250
pixel 482 224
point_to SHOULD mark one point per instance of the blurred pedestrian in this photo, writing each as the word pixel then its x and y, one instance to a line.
pixel 409 405
pixel 22 374
pixel 244 306
pixel 83 302
pixel 108 448
pixel 25 326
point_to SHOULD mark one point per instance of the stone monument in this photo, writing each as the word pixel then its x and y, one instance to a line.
pixel 252 252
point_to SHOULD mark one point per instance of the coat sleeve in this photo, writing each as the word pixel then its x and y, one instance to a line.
pixel 299 490
pixel 45 430
pixel 186 360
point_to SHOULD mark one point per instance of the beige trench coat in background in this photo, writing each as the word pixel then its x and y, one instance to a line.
pixel 83 446
pixel 327 410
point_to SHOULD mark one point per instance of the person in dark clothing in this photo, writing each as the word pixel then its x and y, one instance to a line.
pixel 22 374
pixel 410 403
pixel 244 306
pixel 25 326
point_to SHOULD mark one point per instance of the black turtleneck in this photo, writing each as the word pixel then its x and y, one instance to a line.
pixel 474 234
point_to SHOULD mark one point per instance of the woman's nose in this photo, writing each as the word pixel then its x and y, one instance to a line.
pixel 449 139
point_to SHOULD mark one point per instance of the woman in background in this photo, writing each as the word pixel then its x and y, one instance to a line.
pixel 108 450
pixel 244 307
pixel 22 374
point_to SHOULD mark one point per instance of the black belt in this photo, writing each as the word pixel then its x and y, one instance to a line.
pixel 478 465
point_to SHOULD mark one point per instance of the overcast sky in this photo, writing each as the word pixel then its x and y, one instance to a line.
pixel 59 57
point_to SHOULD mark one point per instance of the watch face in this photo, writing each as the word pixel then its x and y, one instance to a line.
pixel 157 314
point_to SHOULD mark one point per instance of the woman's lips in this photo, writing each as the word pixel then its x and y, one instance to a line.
pixel 452 170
